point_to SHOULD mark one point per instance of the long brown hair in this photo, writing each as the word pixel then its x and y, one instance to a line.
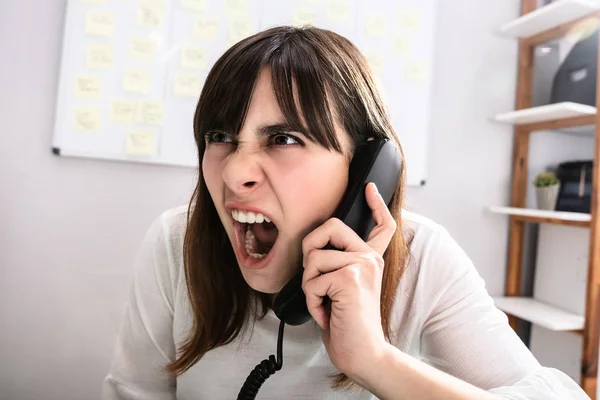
pixel 326 75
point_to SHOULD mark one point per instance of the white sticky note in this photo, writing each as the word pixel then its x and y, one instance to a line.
pixel 193 5
pixel 338 10
pixel 137 80
pixel 401 45
pixel 151 14
pixel 100 56
pixel 304 16
pixel 123 111
pixel 140 142
pixel 416 71
pixel 88 87
pixel 205 28
pixel 408 20
pixel 142 49
pixel 100 23
pixel 193 57
pixel 239 27
pixel 150 112
pixel 187 84
pixel 86 118
pixel 376 25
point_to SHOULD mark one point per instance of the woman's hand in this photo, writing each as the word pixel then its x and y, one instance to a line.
pixel 351 277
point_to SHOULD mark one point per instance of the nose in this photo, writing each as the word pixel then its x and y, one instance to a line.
pixel 243 172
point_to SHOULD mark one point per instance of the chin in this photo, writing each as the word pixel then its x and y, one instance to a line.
pixel 269 280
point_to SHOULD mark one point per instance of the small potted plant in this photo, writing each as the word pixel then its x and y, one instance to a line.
pixel 546 190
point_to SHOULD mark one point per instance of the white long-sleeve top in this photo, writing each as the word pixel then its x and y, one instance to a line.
pixel 442 315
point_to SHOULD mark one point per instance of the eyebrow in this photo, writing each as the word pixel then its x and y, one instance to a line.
pixel 268 130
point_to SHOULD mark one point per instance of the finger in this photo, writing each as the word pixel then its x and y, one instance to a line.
pixel 315 290
pixel 318 262
pixel 336 233
pixel 385 225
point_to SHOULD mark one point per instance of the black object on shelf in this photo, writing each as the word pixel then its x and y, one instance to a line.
pixel 575 79
pixel 575 191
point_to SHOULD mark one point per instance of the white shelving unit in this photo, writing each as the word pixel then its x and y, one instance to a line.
pixel 540 313
pixel 548 17
pixel 534 213
pixel 546 113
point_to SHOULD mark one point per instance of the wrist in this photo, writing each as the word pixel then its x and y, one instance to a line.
pixel 367 371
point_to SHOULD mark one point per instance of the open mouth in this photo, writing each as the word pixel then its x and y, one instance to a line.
pixel 256 234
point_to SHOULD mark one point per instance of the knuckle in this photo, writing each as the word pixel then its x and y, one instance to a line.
pixel 352 273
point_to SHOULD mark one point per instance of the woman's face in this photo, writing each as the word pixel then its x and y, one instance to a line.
pixel 270 173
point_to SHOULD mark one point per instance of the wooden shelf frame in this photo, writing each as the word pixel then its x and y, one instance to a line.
pixel 521 141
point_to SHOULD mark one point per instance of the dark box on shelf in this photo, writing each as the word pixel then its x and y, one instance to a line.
pixel 575 186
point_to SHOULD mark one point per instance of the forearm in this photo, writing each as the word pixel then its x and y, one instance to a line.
pixel 395 375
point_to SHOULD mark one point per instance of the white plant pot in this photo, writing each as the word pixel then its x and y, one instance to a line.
pixel 546 197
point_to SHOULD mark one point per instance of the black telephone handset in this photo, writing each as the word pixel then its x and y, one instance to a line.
pixel 377 161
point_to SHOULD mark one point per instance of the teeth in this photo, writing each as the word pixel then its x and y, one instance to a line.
pixel 248 217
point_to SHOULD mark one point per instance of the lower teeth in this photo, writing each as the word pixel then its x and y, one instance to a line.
pixel 250 245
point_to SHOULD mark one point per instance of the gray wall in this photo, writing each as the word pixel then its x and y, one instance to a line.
pixel 69 228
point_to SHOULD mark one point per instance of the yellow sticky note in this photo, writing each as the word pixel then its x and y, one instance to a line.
pixel 193 57
pixel 151 14
pixel 100 23
pixel 187 84
pixel 376 25
pixel 239 28
pixel 416 71
pixel 86 118
pixel 401 45
pixel 408 20
pixel 304 16
pixel 375 61
pixel 234 6
pixel 123 111
pixel 88 87
pixel 206 28
pixel 140 142
pixel 137 80
pixel 100 56
pixel 142 49
pixel 194 5
pixel 338 10
pixel 151 112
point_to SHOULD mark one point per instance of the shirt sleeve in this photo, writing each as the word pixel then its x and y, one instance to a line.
pixel 465 335
pixel 145 344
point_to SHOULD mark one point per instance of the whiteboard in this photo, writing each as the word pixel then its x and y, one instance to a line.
pixel 132 70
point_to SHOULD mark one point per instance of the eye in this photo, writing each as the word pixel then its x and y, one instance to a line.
pixel 284 140
pixel 218 137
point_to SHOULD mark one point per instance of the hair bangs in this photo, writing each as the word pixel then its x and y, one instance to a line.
pixel 302 91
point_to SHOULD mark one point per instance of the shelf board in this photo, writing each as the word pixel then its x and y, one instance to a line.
pixel 540 313
pixel 549 17
pixel 543 216
pixel 549 113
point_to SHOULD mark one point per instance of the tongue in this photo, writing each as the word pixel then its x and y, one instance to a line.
pixel 265 233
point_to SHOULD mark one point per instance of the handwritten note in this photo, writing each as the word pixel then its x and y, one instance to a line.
pixel 205 28
pixel 304 16
pixel 150 112
pixel 123 111
pixel 416 71
pixel 151 14
pixel 408 20
pixel 140 142
pixel 187 84
pixel 193 5
pixel 401 45
pixel 338 10
pixel 142 49
pixel 376 25
pixel 100 56
pixel 86 118
pixel 137 80
pixel 240 27
pixel 88 87
pixel 100 23
pixel 193 57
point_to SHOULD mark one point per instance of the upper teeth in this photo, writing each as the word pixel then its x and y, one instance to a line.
pixel 248 217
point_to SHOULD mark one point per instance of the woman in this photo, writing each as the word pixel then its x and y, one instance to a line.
pixel 276 126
